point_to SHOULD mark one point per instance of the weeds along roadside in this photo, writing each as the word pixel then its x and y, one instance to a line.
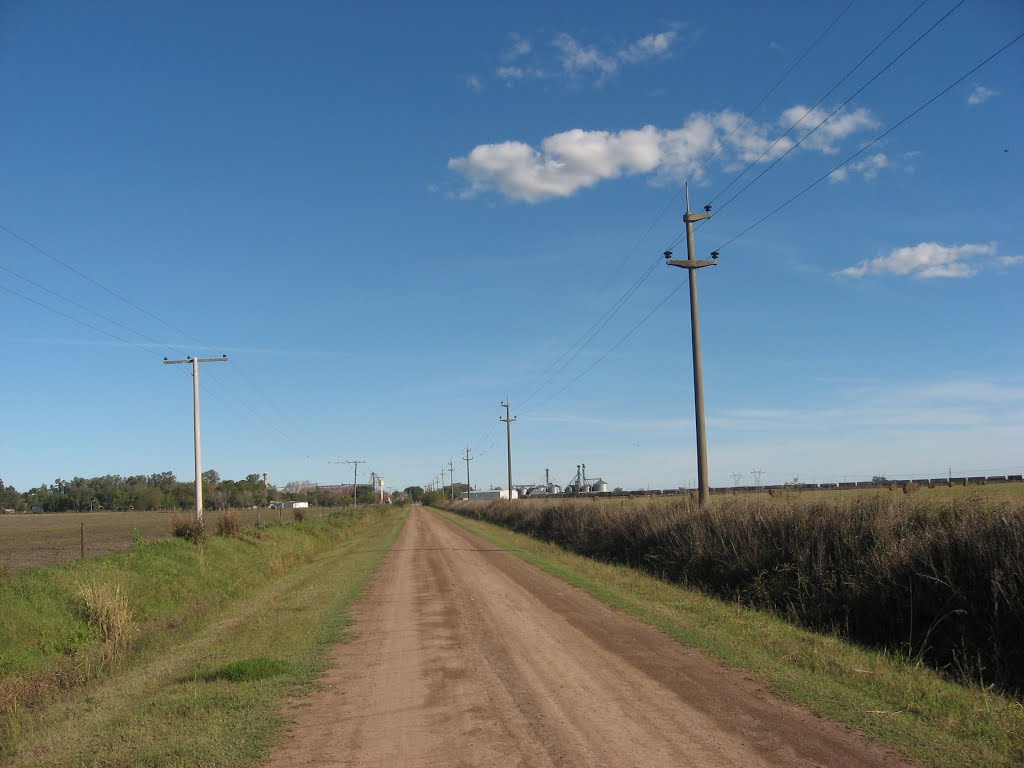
pixel 65 626
pixel 935 580
pixel 906 706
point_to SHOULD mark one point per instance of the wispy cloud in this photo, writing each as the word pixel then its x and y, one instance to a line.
pixel 567 162
pixel 474 83
pixel 980 95
pixel 1010 261
pixel 868 168
pixel 924 261
pixel 577 59
pixel 567 58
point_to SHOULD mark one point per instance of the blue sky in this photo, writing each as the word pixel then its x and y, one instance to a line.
pixel 393 217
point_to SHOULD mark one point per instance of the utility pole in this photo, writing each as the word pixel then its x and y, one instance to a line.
pixel 508 437
pixel 757 476
pixel 195 361
pixel 451 474
pixel 469 488
pixel 355 474
pixel 692 264
pixel 736 477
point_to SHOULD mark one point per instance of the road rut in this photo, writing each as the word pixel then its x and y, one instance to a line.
pixel 468 656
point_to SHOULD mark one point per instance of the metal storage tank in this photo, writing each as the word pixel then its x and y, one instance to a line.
pixel 600 487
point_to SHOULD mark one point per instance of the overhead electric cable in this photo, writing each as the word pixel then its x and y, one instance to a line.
pixel 771 90
pixel 830 91
pixel 867 146
pixel 611 349
pixel 584 340
pixel 807 135
pixel 99 285
pixel 73 319
pixel 110 320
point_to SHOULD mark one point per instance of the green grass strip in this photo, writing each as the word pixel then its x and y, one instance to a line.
pixel 213 695
pixel 895 702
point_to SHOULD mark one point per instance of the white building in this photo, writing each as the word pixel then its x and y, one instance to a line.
pixel 492 495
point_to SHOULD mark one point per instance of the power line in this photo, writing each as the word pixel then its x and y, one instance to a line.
pixel 830 91
pixel 114 336
pixel 584 340
pixel 870 144
pixel 850 98
pixel 235 398
pixel 99 285
pixel 771 90
pixel 84 308
pixel 611 349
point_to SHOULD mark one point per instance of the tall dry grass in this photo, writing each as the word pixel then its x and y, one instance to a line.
pixel 106 609
pixel 939 581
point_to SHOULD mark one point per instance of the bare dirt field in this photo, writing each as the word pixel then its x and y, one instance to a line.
pixel 48 539
pixel 468 656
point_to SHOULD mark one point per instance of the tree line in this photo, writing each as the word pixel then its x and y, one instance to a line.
pixel 159 491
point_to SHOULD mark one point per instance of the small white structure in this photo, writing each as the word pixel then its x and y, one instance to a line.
pixel 492 495
pixel 289 505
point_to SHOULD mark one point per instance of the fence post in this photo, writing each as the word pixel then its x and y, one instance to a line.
pixel 82 540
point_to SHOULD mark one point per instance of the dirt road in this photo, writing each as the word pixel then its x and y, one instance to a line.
pixel 467 656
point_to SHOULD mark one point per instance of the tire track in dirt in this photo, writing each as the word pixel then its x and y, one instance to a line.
pixel 468 656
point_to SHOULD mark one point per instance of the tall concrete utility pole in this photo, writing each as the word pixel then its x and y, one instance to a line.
pixel 451 474
pixel 692 264
pixel 508 437
pixel 469 488
pixel 195 361
pixel 355 474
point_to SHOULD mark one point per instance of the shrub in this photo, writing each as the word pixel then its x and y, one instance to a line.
pixel 228 525
pixel 300 515
pixel 187 528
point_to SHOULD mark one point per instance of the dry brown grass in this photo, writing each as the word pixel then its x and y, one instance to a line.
pixel 106 609
pixel 936 578
pixel 228 525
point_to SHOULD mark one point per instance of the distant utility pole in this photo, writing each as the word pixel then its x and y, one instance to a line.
pixel 451 474
pixel 508 437
pixel 757 476
pixel 195 361
pixel 736 477
pixel 355 474
pixel 692 264
pixel 469 488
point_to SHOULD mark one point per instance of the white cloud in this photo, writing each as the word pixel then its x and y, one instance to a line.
pixel 474 84
pixel 868 168
pixel 648 47
pixel 576 61
pixel 980 95
pixel 510 73
pixel 1010 261
pixel 577 58
pixel 519 48
pixel 924 260
pixel 835 129
pixel 569 161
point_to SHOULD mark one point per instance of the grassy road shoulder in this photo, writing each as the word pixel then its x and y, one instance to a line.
pixel 892 700
pixel 211 692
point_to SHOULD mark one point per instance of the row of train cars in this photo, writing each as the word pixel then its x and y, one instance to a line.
pixel 940 482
